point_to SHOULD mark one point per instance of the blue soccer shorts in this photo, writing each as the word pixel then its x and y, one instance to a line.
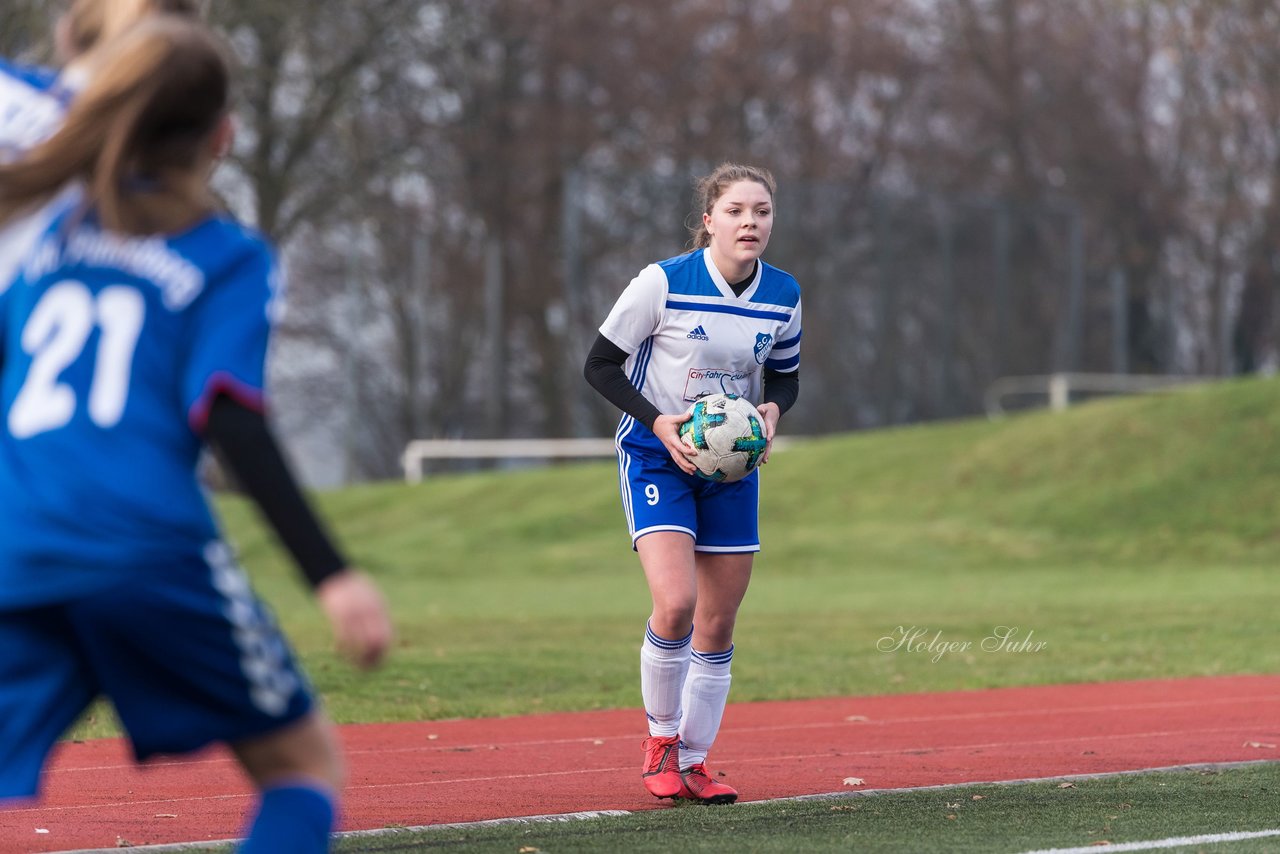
pixel 657 496
pixel 188 655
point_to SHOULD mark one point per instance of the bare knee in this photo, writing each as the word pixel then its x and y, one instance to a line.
pixel 714 632
pixel 307 750
pixel 672 617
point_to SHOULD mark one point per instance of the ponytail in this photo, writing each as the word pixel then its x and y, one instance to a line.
pixel 140 129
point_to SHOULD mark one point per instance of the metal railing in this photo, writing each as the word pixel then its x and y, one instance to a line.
pixel 1058 388
pixel 420 450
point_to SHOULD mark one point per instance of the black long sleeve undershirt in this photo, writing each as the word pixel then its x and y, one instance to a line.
pixel 603 371
pixel 781 388
pixel 245 444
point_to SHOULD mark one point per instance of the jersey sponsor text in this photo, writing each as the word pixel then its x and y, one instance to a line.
pixel 711 380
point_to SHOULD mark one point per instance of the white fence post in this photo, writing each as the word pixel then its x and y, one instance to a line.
pixel 1059 392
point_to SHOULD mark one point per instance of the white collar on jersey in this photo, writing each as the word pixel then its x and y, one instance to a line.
pixel 723 285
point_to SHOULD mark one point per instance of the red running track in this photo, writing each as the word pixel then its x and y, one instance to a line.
pixel 465 770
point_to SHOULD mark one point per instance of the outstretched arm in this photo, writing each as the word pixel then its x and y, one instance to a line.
pixel 355 609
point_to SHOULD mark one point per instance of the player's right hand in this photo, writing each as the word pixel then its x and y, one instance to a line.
pixel 667 429
pixel 358 615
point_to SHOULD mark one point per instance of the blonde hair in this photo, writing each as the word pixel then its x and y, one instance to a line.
pixel 89 23
pixel 138 134
pixel 709 188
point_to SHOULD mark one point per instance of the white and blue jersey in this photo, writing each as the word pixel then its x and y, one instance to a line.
pixel 113 348
pixel 33 101
pixel 688 334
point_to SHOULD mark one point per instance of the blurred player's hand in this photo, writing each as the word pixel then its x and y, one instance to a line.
pixel 667 429
pixel 358 615
pixel 770 413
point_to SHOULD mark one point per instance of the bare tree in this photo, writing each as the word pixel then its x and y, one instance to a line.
pixel 306 80
pixel 463 189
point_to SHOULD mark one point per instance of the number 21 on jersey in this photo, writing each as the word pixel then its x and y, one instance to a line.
pixel 55 335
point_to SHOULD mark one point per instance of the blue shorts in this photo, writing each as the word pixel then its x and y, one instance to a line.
pixel 657 496
pixel 190 657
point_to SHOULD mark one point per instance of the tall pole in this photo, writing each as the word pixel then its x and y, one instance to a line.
pixel 571 243
pixel 1119 321
pixel 354 315
pixel 419 302
pixel 1226 360
pixel 1071 332
pixel 1003 241
pixel 887 310
pixel 495 335
pixel 950 309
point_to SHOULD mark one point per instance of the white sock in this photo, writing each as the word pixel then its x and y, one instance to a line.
pixel 706 689
pixel 663 665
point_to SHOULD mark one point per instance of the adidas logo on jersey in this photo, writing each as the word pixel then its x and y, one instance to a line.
pixel 698 334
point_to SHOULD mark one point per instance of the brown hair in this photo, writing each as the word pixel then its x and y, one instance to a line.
pixel 709 188
pixel 138 134
pixel 89 23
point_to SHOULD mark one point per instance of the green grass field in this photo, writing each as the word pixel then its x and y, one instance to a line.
pixel 1135 538
pixel 963 820
pixel 979 819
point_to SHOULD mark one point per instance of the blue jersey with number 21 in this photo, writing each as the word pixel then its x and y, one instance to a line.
pixel 112 349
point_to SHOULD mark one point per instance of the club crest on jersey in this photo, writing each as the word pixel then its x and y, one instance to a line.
pixel 698 334
pixel 762 347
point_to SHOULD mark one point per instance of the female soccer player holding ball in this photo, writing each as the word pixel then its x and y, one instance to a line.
pixel 133 333
pixel 716 319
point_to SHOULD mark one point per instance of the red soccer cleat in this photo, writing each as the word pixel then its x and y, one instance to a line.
pixel 662 766
pixel 698 786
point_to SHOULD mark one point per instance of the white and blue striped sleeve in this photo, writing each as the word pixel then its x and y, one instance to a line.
pixel 638 311
pixel 785 355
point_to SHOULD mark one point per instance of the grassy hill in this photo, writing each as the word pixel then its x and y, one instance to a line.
pixel 1133 538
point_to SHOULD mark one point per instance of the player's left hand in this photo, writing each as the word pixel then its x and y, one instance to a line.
pixel 770 413
pixel 358 615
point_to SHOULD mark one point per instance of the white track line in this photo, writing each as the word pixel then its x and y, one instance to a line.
pixel 177 848
pixel 1171 842
pixel 1021 781
pixel 903 751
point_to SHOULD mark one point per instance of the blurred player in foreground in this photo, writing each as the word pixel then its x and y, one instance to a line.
pixel 134 332
pixel 716 319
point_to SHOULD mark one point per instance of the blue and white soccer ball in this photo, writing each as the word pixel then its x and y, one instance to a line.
pixel 728 433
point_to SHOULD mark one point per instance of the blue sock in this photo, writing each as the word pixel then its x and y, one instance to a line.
pixel 294 817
